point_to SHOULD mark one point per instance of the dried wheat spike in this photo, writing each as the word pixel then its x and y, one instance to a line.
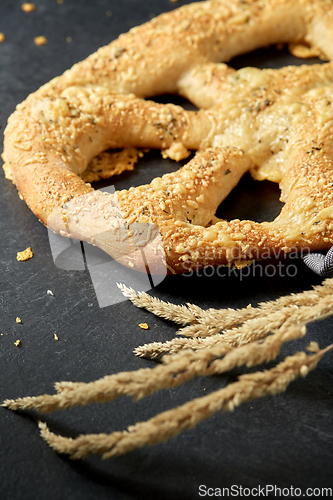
pixel 170 423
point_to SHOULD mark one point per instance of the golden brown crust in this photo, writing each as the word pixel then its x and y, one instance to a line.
pixel 275 123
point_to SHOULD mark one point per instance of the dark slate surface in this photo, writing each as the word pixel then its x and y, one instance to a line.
pixel 282 441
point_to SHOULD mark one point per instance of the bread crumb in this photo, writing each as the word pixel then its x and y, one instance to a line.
pixel 173 1
pixel 69 39
pixel 109 13
pixel 249 306
pixel 60 2
pixel 40 40
pixel 18 320
pixel 56 337
pixel 28 7
pixel 17 343
pixel 144 326
pixel 25 255
pixel 2 37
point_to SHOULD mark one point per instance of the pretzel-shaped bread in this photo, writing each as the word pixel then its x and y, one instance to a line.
pixel 277 124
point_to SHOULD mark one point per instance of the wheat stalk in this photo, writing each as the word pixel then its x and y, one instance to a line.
pixel 252 329
pixel 146 381
pixel 248 344
pixel 170 423
pixel 177 313
pixel 218 319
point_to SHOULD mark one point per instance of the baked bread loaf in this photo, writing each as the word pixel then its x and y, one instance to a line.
pixel 277 124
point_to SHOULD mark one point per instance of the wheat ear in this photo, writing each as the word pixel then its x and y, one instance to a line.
pixel 146 381
pixel 170 423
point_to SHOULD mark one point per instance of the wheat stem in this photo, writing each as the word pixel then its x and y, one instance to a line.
pixel 252 329
pixel 146 381
pixel 170 423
